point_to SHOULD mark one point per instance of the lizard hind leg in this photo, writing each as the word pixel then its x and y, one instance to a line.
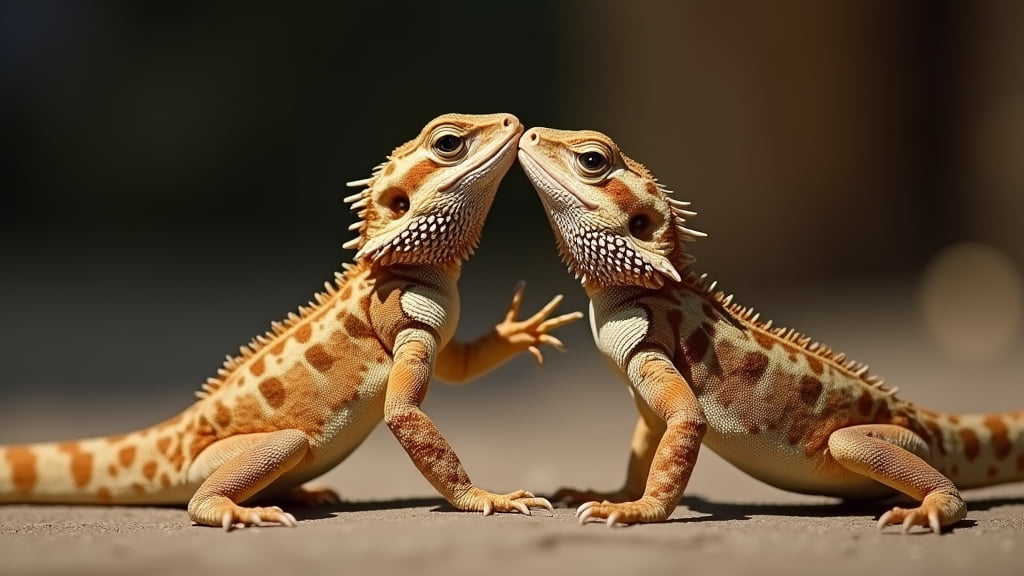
pixel 892 455
pixel 242 466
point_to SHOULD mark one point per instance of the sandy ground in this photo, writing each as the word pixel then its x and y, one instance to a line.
pixel 567 423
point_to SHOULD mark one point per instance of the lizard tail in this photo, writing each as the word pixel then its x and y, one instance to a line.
pixel 980 449
pixel 143 467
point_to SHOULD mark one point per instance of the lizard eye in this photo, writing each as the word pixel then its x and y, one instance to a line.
pixel 448 146
pixel 593 163
pixel 641 227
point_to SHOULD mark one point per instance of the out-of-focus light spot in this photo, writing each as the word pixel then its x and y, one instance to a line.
pixel 972 297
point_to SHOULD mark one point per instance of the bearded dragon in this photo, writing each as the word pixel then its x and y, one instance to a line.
pixel 703 369
pixel 302 397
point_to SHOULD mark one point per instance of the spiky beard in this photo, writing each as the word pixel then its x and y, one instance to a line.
pixel 448 233
pixel 602 257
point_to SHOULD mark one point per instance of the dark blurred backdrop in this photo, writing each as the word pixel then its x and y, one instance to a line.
pixel 174 170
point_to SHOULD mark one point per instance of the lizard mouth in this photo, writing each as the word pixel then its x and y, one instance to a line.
pixel 550 184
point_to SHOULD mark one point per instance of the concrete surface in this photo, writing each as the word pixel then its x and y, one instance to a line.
pixel 567 423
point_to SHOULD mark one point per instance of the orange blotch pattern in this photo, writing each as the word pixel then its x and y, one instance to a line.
pixel 222 416
pixel 22 461
pixel 273 391
pixel 621 194
pixel 1000 436
pixel 318 358
pixel 126 456
pixel 163 444
pixel 970 442
pixel 81 463
pixel 810 390
pixel 258 367
pixel 149 470
pixel 417 173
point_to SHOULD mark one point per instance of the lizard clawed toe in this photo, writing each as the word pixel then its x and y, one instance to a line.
pixel 619 513
pixel 536 329
pixel 256 517
pixel 519 501
pixel 925 516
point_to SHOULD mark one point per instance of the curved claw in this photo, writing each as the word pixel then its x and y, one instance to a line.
pixel 934 523
pixel 519 501
pixel 613 519
pixel 909 522
pixel 931 515
pixel 616 513
pixel 537 355
pixel 584 515
pixel 258 517
pixel 584 507
pixel 884 520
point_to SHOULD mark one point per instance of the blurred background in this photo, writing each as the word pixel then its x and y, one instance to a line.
pixel 174 174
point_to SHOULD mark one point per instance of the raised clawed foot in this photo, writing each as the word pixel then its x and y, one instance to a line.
pixel 533 331
pixel 488 502
pixel 612 513
pixel 935 511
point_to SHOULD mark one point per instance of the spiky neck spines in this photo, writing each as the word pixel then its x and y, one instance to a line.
pixel 747 316
pixel 279 330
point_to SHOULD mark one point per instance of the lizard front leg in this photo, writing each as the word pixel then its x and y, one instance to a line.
pixel 460 362
pixel 244 465
pixel 889 454
pixel 668 396
pixel 646 437
pixel 423 442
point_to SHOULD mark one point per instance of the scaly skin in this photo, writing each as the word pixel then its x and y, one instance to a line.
pixel 703 369
pixel 300 399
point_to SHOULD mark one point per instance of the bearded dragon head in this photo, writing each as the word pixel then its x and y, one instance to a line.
pixel 428 201
pixel 613 223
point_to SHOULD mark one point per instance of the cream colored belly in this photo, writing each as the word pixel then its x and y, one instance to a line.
pixel 769 457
